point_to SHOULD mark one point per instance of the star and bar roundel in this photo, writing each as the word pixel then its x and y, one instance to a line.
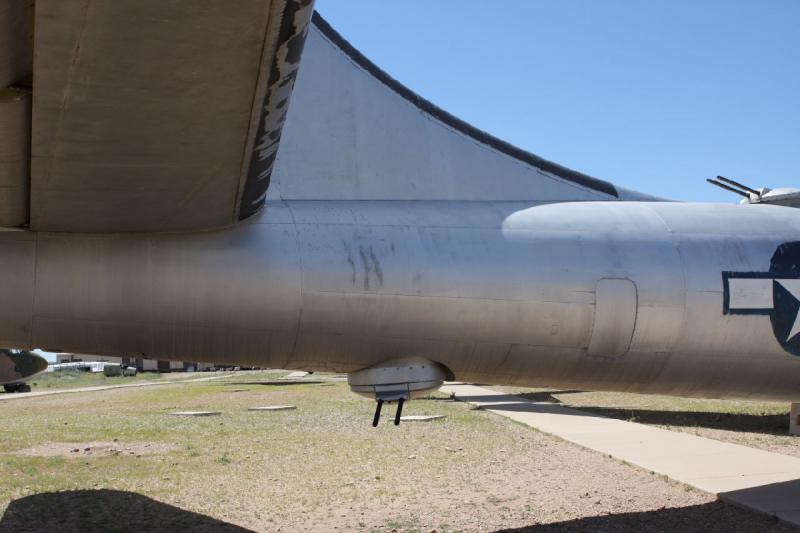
pixel 775 293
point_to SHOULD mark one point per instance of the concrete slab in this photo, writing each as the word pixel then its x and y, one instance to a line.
pixel 792 517
pixel 725 484
pixel 421 418
pixel 758 480
pixel 272 408
pixel 295 375
pixel 774 498
pixel 196 413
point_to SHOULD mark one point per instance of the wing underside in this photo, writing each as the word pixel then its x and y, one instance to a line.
pixel 158 116
pixel 147 115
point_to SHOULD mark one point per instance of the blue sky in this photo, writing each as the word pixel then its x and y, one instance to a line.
pixel 50 356
pixel 653 95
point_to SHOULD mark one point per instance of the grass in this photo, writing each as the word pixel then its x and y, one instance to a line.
pixel 74 379
pixel 319 467
pixel 222 460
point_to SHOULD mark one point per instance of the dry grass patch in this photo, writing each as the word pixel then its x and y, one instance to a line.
pixel 319 467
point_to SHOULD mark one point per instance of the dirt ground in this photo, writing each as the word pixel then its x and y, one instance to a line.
pixel 320 467
pixel 762 425
pixel 94 449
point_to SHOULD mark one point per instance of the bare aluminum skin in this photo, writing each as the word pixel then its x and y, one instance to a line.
pixel 391 229
pixel 498 292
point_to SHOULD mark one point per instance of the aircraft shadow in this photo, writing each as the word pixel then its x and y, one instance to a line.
pixel 541 397
pixel 710 517
pixel 119 511
pixel 106 511
pixel 766 424
pixel 746 423
pixel 546 396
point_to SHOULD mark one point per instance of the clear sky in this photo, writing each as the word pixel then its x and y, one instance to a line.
pixel 653 95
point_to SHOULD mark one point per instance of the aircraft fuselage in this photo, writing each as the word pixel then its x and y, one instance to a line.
pixel 690 299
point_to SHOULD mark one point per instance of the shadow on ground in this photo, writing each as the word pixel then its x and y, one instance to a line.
pixel 776 424
pixel 119 511
pixel 106 511
pixel 767 424
pixel 546 396
pixel 709 517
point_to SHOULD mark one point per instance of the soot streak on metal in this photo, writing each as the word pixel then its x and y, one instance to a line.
pixel 371 266
pixel 350 261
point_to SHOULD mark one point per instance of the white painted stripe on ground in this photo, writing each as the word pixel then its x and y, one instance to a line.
pixel 762 481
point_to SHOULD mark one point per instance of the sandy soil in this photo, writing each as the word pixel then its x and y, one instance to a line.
pixel 94 449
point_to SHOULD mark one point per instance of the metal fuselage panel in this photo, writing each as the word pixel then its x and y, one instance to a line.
pixel 499 292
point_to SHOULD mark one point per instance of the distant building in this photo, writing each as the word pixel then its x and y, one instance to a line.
pixel 140 363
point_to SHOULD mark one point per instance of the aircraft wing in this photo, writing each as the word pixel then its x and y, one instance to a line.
pixel 146 115
pixel 159 116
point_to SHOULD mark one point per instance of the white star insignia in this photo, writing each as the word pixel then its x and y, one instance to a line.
pixel 793 286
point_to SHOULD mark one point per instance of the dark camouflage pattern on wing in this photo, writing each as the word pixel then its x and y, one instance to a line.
pixel 283 72
pixel 19 365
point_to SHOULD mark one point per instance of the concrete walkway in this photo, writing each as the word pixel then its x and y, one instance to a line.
pixel 23 395
pixel 758 480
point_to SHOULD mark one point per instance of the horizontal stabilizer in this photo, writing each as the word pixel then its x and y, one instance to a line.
pixel 355 133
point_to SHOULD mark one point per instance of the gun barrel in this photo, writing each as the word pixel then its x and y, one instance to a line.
pixel 728 187
pixel 739 185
